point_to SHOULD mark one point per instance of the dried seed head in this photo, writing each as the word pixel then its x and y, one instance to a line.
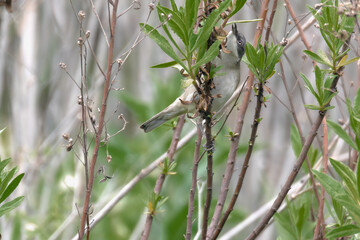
pixel 119 61
pixel 289 21
pixel 80 41
pixel 81 15
pixel 79 100
pixel 284 42
pixel 87 34
pixel 66 136
pixel 62 65
pixel 316 25
pixel 137 4
pixel 108 158
pixel 169 16
pixel 69 147
pixel 343 35
pixel 70 141
pixel 162 15
pixel 151 6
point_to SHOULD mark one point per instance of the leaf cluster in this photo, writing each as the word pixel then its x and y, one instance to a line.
pixel 335 29
pixel 262 60
pixel 180 22
pixel 345 195
pixel 8 184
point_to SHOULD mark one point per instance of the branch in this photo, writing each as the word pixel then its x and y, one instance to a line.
pixel 101 122
pixel 237 133
pixel 160 181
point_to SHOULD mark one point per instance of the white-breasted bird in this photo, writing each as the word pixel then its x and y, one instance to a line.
pixel 225 82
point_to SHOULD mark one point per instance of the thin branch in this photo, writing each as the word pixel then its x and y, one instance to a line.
pixel 319 231
pixel 193 181
pixel 161 179
pixel 101 121
pixel 237 133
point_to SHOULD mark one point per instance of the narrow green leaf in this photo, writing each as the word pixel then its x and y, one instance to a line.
pixel 348 62
pixel 313 107
pixel 332 187
pixel 173 5
pixel 7 207
pixel 339 210
pixel 176 24
pixel 7 178
pixel 324 57
pixel 2 130
pixel 351 205
pixel 3 164
pixel 317 58
pixel 343 231
pixel 164 65
pixel 210 54
pixel 357 101
pixel 11 187
pixel 347 175
pixel 358 177
pixel 341 133
pixel 162 42
pixel 308 85
pixel 238 5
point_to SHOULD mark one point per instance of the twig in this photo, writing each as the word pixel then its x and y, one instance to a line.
pixel 98 18
pixel 237 133
pixel 301 32
pixel 101 121
pixel 319 232
pixel 160 181
pixel 193 181
pixel 245 165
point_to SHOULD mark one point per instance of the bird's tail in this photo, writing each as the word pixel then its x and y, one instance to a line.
pixel 160 118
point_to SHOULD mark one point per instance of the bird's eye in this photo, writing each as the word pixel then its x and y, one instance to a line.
pixel 240 42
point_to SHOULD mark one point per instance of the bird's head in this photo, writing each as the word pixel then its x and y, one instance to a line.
pixel 235 47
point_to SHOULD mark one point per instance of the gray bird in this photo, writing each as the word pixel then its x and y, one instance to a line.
pixel 225 82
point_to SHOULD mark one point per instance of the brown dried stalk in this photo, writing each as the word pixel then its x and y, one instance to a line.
pixel 89 187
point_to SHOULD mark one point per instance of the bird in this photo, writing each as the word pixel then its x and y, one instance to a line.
pixel 225 82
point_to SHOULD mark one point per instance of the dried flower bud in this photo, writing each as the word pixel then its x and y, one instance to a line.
pixel 318 6
pixel 137 4
pixel 151 6
pixel 62 65
pixel 80 41
pixel 289 21
pixel 169 16
pixel 81 15
pixel 69 147
pixel 284 42
pixel 70 141
pixel 162 15
pixel 66 136
pixel 341 121
pixel 119 61
pixel 316 25
pixel 223 15
pixel 92 119
pixel 108 158
pixel 79 100
pixel 87 34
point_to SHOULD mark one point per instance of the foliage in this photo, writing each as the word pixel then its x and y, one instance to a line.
pixel 262 60
pixel 8 184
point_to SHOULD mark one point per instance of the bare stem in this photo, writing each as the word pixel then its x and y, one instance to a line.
pixel 101 121
pixel 193 181
pixel 160 181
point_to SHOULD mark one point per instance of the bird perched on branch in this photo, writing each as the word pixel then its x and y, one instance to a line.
pixel 225 82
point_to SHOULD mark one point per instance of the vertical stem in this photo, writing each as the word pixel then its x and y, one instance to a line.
pixel 160 181
pixel 101 121
pixel 193 181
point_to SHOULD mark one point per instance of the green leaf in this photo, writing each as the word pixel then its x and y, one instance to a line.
pixel 341 133
pixel 7 178
pixel 347 175
pixel 357 101
pixel 210 54
pixel 162 42
pixel 238 5
pixel 339 210
pixel 11 187
pixel 317 58
pixel 309 86
pixel 164 65
pixel 210 22
pixel 313 107
pixel 343 231
pixel 191 10
pixel 4 163
pixel 7 207
pixel 332 187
